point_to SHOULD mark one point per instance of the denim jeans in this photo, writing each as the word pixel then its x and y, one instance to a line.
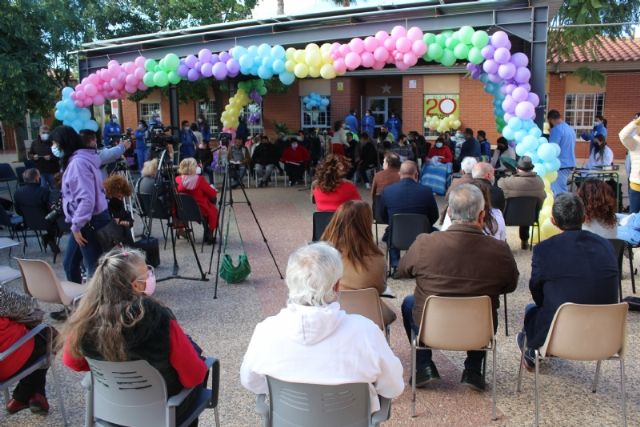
pixel 559 186
pixel 264 172
pixel 237 173
pixel 141 156
pixel 473 361
pixel 394 257
pixel 46 180
pixel 75 255
pixel 634 201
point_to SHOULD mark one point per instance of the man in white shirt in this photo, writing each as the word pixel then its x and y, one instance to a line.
pixel 313 341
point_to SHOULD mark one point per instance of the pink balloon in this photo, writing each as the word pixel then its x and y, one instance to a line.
pixel 398 56
pixel 339 66
pixel 525 110
pixel 356 45
pixel 139 61
pixel 98 100
pixel 106 87
pixel 114 68
pixel 129 67
pixel 534 99
pixel 131 80
pixel 79 93
pixel 382 36
pixel 398 31
pixel 141 86
pixel 520 94
pixel 379 65
pixel 414 33
pixel 370 44
pixel 490 66
pixel 352 60
pixel 130 89
pixel 403 44
pixel 139 73
pixel 519 59
pixel 522 75
pixel 367 59
pixel 502 55
pixel 401 66
pixel 73 96
pixel 410 59
pixel 90 89
pixel 381 54
pixel 113 83
pixel 507 71
pixel 344 50
pixel 390 44
pixel 419 47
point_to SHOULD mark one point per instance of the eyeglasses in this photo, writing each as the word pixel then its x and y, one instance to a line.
pixel 150 273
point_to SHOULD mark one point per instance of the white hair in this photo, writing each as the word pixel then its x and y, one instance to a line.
pixel 481 170
pixel 312 272
pixel 467 164
pixel 465 203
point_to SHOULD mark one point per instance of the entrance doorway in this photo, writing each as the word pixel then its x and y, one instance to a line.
pixel 382 106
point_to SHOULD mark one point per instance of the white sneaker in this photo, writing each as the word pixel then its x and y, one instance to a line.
pixel 368 186
pixel 388 291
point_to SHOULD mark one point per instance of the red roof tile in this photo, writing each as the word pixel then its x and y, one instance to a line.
pixel 610 50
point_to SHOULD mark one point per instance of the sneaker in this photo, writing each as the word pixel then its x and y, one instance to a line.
pixel 60 316
pixel 38 404
pixel 529 362
pixel 473 379
pixel 524 245
pixel 14 406
pixel 426 375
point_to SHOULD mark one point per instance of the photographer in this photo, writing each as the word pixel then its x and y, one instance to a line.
pixel 239 159
pixel 142 136
pixel 188 141
pixel 159 140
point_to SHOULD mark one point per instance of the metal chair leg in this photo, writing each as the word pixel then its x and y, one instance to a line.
pixel 524 348
pixel 594 387
pixel 413 373
pixel 217 416
pixel 633 275
pixel 494 415
pixel 506 316
pixel 59 392
pixel 537 398
pixel 623 392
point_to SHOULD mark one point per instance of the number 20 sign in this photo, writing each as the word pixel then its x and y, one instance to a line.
pixel 441 105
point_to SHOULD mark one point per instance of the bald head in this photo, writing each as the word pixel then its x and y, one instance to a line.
pixel 483 170
pixel 409 169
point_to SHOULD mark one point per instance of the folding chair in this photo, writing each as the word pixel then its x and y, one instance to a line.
pixel 187 210
pixel 377 214
pixel 314 405
pixel 618 247
pixel 133 393
pixel 34 220
pixel 158 211
pixel 455 324
pixel 7 175
pixel 585 333
pixel 320 222
pixel 523 211
pixel 365 302
pixel 405 228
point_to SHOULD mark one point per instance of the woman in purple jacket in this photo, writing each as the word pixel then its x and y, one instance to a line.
pixel 83 199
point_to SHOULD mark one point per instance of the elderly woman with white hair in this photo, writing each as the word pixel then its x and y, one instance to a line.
pixel 313 341
pixel 192 183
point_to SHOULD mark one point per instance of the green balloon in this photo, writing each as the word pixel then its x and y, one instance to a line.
pixel 466 33
pixel 244 86
pixel 480 39
pixel 452 43
pixel 441 39
pixel 429 38
pixel 262 90
pixel 447 34
pixel 173 77
pixel 161 79
pixel 162 64
pixel 150 64
pixel 148 79
pixel 461 51
pixel 171 61
pixel 434 52
pixel 475 56
pixel 448 58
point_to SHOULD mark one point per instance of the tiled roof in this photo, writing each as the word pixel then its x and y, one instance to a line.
pixel 610 50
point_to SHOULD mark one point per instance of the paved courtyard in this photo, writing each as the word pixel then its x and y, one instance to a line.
pixel 223 327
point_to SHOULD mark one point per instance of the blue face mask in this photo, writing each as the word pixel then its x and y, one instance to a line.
pixel 57 151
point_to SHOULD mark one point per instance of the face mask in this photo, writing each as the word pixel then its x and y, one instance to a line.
pixel 294 145
pixel 299 138
pixel 44 136
pixel 199 120
pixel 57 151
pixel 150 286
pixel 198 170
pixel 185 128
pixel 439 144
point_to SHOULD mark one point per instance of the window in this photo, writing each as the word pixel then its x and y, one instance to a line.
pixel 208 109
pixel 314 117
pixel 147 109
pixel 252 114
pixel 580 110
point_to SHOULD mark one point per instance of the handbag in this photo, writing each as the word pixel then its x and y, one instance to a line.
pixel 112 235
pixel 228 271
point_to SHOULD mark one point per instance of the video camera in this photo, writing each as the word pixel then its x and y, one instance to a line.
pixel 158 137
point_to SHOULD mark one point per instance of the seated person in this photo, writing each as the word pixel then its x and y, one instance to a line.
pixel 118 320
pixel 368 159
pixel 403 149
pixel 204 157
pixel 406 196
pixel 33 197
pixel 485 171
pixel 330 189
pixel 15 310
pixel 574 266
pixel 189 182
pixel 147 181
pixel 117 188
pixel 390 174
pixel 470 146
pixel 525 183
pixel 295 158
pixel 313 341
pixel 502 150
pixel 239 159
pixel 364 265
pixel 599 154
pixel 485 145
pixel 265 159
pixel 442 273
pixel 599 208
pixel 440 152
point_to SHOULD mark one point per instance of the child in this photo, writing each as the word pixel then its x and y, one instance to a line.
pixel 117 188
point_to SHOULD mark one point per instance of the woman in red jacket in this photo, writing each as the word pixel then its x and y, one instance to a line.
pixel 30 391
pixel 117 320
pixel 330 189
pixel 441 150
pixel 192 183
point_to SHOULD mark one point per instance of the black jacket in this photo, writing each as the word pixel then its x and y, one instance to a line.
pixel 266 154
pixel 43 148
pixel 369 154
pixel 574 266
pixel 32 197
pixel 407 196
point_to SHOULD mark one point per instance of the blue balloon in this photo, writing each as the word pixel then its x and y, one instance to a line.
pixel 278 66
pixel 484 78
pixel 252 50
pixel 246 61
pixel 264 49
pixel 536 132
pixel 515 123
pixel 287 78
pixel 238 51
pixel 66 92
pixel 91 125
pixel 519 135
pixel 508 133
pixel 325 102
pixel 85 114
pixel 278 52
pixel 59 115
pixel 264 72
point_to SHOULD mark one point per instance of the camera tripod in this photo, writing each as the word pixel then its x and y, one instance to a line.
pixel 226 199
pixel 165 172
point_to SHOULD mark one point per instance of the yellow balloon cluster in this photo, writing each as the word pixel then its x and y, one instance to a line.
pixel 231 114
pixel 443 124
pixel 547 229
pixel 312 61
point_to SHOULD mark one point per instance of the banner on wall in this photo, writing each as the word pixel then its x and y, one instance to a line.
pixel 441 106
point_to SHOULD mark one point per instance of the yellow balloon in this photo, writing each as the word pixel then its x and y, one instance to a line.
pixel 325 48
pixel 312 47
pixel 548 230
pixel 301 71
pixel 551 176
pixel 290 65
pixel 313 58
pixel 299 56
pixel 327 72
pixel 290 52
pixel 314 72
pixel 456 124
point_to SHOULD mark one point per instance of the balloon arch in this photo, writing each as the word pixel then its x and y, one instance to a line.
pixel 505 76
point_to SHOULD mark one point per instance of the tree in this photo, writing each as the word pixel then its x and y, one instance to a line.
pixel 25 82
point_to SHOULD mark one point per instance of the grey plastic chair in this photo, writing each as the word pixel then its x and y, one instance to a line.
pixel 134 394
pixel 313 405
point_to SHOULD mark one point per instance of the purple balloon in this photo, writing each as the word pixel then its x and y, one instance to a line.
pixel 488 51
pixel 220 71
pixel 183 69
pixel 534 99
pixel 233 66
pixel 215 58
pixel 204 55
pixel 206 69
pixel 507 71
pixel 519 59
pixel 475 74
pixel 525 110
pixel 526 86
pixel 522 75
pixel 509 88
pixel 490 66
pixel 508 116
pixel 198 65
pixel 509 105
pixel 470 66
pixel 224 56
pixel 502 55
pixel 500 39
pixel 520 94
pixel 193 75
pixel 495 78
pixel 190 61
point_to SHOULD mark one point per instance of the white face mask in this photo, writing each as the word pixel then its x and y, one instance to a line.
pixel 198 170
pixel 44 136
pixel 439 144
pixel 294 145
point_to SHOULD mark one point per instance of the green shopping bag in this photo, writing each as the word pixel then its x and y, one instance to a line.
pixel 228 271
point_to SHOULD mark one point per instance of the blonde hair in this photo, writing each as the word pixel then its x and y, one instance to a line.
pixel 188 166
pixel 150 168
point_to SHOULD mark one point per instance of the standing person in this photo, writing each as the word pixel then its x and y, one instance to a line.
pixel 352 121
pixel 369 124
pixel 203 127
pixel 295 158
pixel 197 134
pixel 46 163
pixel 565 136
pixel 485 145
pixel 470 146
pixel 142 137
pixel 265 159
pixel 599 154
pixel 239 160
pixel 630 138
pixel 83 200
pixel 339 139
pixel 368 158
pixel 330 189
pixel 394 125
pixel 188 141
pixel 111 130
